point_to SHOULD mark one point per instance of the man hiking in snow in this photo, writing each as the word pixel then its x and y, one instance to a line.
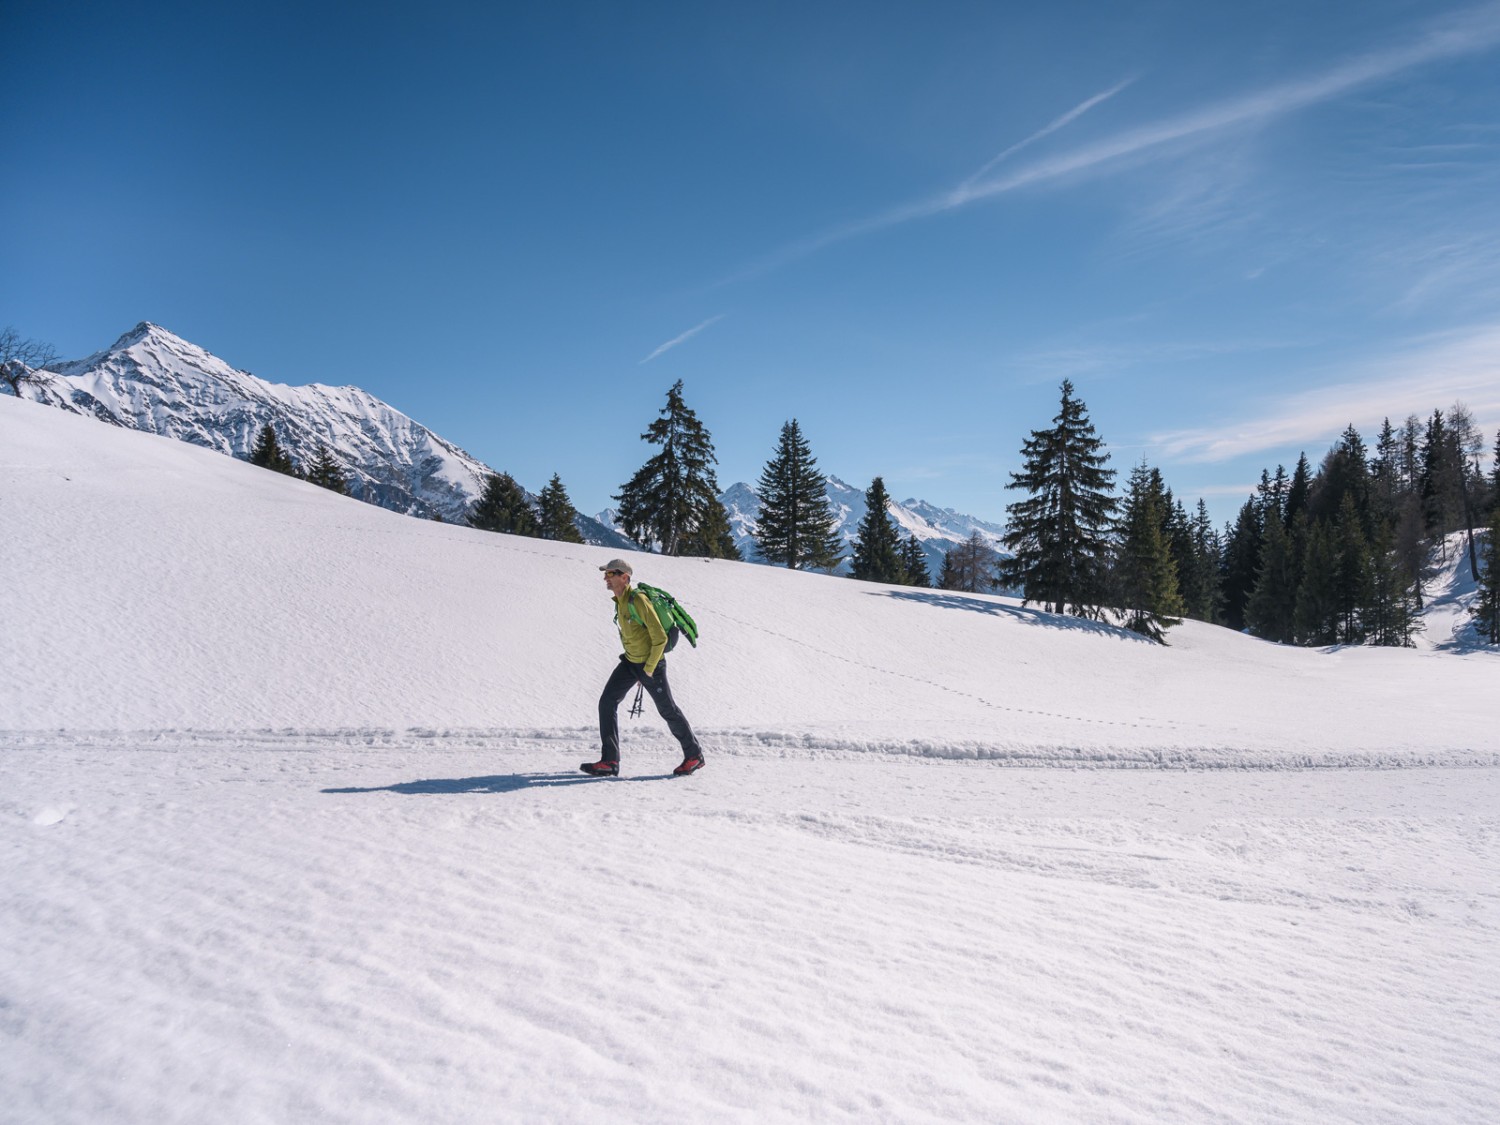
pixel 643 662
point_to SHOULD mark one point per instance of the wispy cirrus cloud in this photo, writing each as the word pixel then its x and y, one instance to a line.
pixel 1431 373
pixel 1470 32
pixel 688 335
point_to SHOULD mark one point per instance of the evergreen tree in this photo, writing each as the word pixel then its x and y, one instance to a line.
pixel 713 538
pixel 1344 472
pixel 1271 610
pixel 1487 607
pixel 877 547
pixel 674 493
pixel 557 519
pixel 1317 614
pixel 914 562
pixel 1060 533
pixel 1200 588
pixel 1440 470
pixel 948 579
pixel 268 453
pixel 1352 572
pixel 326 472
pixel 1145 575
pixel 1298 492
pixel 1240 565
pixel 1385 476
pixel 795 527
pixel 503 507
pixel 1495 475
pixel 1393 614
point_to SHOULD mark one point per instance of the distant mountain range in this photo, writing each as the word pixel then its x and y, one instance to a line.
pixel 150 379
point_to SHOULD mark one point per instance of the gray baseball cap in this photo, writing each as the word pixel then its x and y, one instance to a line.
pixel 618 564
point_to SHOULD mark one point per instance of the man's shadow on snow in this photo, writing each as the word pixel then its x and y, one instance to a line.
pixel 1027 616
pixel 500 783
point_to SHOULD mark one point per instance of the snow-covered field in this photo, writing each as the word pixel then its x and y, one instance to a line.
pixel 292 831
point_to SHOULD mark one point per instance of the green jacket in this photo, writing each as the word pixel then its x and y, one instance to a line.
pixel 644 639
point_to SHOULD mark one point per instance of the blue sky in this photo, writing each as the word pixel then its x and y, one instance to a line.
pixel 1236 228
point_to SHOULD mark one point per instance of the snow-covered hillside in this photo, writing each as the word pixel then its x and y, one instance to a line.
pixel 153 380
pixel 293 831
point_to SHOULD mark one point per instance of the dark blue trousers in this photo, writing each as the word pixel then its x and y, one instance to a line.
pixel 625 676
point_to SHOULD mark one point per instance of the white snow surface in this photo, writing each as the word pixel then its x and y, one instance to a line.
pixel 293 832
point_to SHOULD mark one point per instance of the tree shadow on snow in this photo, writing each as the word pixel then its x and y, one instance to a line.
pixel 500 783
pixel 1066 622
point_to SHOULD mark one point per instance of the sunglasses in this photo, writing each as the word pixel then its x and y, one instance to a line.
pixel 614 574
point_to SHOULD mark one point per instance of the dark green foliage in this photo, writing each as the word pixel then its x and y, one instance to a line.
pixel 1200 576
pixel 1495 476
pixel 326 472
pixel 674 493
pixel 1487 606
pixel 1441 474
pixel 1344 473
pixel 795 527
pixel 1145 577
pixel 1270 612
pixel 503 507
pixel 914 562
pixel 713 538
pixel 268 453
pixel 1352 584
pixel 877 547
pixel 1240 564
pixel 1391 618
pixel 1298 491
pixel 557 519
pixel 1317 614
pixel 1060 533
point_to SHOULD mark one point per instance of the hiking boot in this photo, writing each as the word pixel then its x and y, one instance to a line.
pixel 689 765
pixel 601 769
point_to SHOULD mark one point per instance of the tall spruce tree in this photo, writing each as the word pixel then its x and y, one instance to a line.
pixel 795 527
pixel 268 453
pixel 1145 577
pixel 673 494
pixel 1060 533
pixel 503 507
pixel 914 562
pixel 326 472
pixel 1298 491
pixel 1487 606
pixel 557 519
pixel 877 546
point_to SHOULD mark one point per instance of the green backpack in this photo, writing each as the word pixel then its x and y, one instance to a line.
pixel 674 619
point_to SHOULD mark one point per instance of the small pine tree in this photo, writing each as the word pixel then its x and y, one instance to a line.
pixel 713 538
pixel 877 547
pixel 1240 563
pixel 557 519
pixel 326 471
pixel 795 527
pixel 1145 575
pixel 268 453
pixel 914 560
pixel 503 507
pixel 1393 614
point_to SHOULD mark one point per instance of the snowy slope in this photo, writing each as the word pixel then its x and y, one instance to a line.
pixel 153 380
pixel 293 831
